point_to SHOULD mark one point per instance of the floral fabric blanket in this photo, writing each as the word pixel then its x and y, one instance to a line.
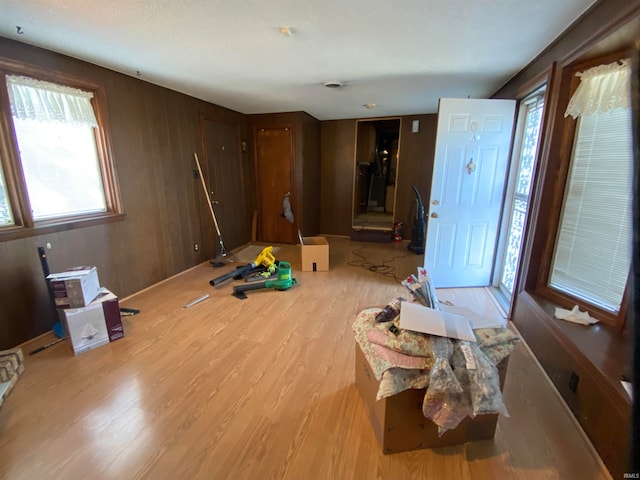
pixel 402 359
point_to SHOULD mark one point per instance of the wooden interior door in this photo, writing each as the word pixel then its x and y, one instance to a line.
pixel 226 182
pixel 274 172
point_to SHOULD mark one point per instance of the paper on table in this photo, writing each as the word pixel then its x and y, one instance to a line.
pixel 434 322
pixel 475 320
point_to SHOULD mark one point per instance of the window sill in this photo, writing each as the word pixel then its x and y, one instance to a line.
pixel 14 233
pixel 605 350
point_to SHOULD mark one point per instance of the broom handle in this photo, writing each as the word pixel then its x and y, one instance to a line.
pixel 206 194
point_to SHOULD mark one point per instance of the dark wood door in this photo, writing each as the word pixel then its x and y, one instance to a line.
pixel 274 171
pixel 226 182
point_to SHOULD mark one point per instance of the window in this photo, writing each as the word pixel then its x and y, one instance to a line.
pixel 528 138
pixel 6 218
pixel 590 257
pixel 56 170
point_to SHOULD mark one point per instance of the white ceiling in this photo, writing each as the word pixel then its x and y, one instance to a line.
pixel 401 55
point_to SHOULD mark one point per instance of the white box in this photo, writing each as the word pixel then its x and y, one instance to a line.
pixel 94 325
pixel 75 288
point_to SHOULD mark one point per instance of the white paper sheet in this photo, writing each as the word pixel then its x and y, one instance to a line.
pixel 434 322
pixel 575 316
pixel 476 320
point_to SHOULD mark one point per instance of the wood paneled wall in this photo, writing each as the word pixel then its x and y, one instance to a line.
pixel 155 132
pixel 310 175
pixel 597 356
pixel 417 151
pixel 338 143
pixel 337 146
pixel 601 406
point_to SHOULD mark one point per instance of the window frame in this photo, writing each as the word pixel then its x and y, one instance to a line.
pixel 24 224
pixel 564 151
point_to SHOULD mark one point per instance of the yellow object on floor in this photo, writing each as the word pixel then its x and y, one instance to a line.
pixel 250 252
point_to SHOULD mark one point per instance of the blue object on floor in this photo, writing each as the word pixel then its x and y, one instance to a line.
pixel 58 330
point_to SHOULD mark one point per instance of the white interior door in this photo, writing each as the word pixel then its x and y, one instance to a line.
pixel 472 154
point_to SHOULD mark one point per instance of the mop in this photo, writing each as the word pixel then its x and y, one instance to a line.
pixel 218 260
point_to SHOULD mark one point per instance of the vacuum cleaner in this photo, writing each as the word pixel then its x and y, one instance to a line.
pixel 419 226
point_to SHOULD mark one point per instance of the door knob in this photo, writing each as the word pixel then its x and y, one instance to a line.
pixel 215 202
pixel 434 215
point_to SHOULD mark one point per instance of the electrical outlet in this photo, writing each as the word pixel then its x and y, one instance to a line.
pixel 196 247
pixel 573 382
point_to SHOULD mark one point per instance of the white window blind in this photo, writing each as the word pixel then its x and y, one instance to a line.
pixel 592 255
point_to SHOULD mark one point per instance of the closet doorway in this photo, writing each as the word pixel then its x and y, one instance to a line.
pixel 375 173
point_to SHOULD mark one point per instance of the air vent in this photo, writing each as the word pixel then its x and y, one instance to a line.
pixel 332 84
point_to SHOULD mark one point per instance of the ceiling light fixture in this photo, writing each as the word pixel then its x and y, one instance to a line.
pixel 286 31
pixel 369 106
pixel 332 84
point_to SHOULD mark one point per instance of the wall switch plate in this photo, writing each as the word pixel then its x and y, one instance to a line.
pixel 415 126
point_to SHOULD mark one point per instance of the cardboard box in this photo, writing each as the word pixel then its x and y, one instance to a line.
pixel 75 288
pixel 315 254
pixel 94 325
pixel 399 423
pixel 12 363
pixel 112 317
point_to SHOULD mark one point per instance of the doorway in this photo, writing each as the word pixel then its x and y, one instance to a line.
pixel 375 173
pixel 225 178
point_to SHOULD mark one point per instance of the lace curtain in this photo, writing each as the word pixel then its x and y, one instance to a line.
pixel 602 88
pixel 49 102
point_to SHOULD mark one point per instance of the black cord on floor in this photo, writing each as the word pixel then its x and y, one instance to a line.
pixel 382 268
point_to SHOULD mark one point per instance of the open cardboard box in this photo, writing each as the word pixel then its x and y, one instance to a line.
pixel 399 423
pixel 315 254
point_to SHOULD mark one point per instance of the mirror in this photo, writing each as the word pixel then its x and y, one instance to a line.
pixel 375 173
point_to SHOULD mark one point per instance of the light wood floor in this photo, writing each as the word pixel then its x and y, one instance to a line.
pixel 260 388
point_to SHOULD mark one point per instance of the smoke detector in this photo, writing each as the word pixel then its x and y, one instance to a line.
pixel 333 84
